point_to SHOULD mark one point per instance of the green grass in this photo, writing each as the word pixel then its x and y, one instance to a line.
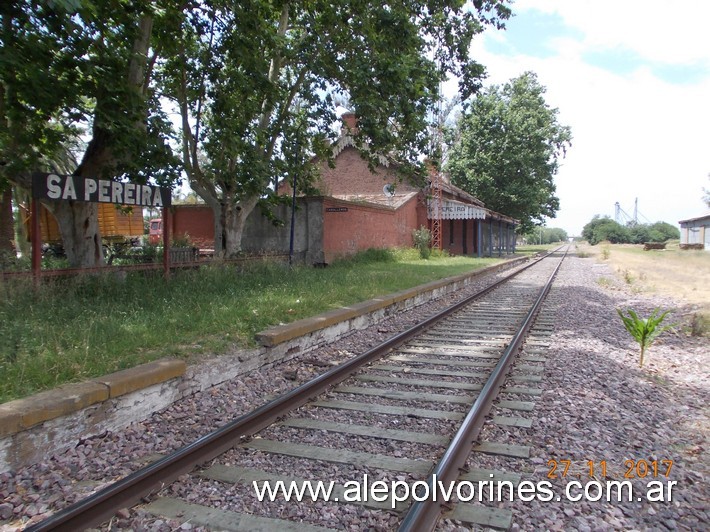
pixel 605 282
pixel 70 330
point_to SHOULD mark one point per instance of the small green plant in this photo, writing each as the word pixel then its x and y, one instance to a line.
pixel 422 241
pixel 644 330
pixel 440 253
pixel 181 241
pixel 139 255
pixel 700 324
pixel 605 282
pixel 628 278
pixel 605 253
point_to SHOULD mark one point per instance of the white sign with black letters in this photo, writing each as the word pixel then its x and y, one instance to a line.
pixel 68 187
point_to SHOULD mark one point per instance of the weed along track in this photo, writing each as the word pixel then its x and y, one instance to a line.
pixel 377 441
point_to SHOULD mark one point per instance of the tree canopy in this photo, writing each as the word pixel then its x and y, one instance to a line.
pixel 71 69
pixel 601 229
pixel 605 229
pixel 507 150
pixel 255 82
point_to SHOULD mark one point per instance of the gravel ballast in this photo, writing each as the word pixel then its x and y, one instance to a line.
pixel 597 405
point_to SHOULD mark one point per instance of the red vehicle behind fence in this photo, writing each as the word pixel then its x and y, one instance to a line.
pixel 155 231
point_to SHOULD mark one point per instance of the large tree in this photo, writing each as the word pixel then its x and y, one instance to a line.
pixel 255 82
pixel 601 229
pixel 507 152
pixel 605 229
pixel 73 65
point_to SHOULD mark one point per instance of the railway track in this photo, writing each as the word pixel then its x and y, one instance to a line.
pixel 403 415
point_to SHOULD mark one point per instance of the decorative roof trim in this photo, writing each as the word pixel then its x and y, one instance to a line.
pixel 347 141
pixel 380 201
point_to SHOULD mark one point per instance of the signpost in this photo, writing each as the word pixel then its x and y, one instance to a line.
pixel 74 188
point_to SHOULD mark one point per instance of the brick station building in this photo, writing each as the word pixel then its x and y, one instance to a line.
pixel 366 208
pixel 358 209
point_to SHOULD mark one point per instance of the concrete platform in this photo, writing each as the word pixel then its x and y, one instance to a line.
pixel 51 421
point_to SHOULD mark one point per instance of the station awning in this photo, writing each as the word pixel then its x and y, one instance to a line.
pixel 455 210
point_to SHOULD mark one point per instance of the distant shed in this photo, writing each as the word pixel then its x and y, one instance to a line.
pixel 695 233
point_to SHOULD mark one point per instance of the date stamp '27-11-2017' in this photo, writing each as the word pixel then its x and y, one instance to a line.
pixel 601 469
pixel 613 482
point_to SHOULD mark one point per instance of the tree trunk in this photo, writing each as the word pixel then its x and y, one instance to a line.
pixel 233 229
pixel 79 225
pixel 217 211
pixel 233 220
pixel 22 244
pixel 7 225
pixel 78 222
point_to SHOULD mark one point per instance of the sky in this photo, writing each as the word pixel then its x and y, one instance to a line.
pixel 632 80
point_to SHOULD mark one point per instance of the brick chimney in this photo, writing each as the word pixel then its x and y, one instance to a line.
pixel 349 123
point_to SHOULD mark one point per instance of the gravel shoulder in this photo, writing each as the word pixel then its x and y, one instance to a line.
pixel 597 405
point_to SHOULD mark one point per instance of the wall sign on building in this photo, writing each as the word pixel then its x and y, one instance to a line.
pixel 336 209
pixel 455 210
pixel 68 187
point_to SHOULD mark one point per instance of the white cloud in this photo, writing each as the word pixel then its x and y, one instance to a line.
pixel 657 30
pixel 635 135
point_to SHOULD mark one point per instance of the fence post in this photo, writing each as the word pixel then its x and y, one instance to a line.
pixel 36 240
pixel 166 242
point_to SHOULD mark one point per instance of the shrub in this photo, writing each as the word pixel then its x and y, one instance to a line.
pixel 422 241
pixel 663 232
pixel 605 282
pixel 640 234
pixel 181 241
pixel 700 324
pixel 628 277
pixel 600 229
pixel 612 232
pixel 371 255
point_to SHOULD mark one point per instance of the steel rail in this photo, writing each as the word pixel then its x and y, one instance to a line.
pixel 102 505
pixel 423 515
